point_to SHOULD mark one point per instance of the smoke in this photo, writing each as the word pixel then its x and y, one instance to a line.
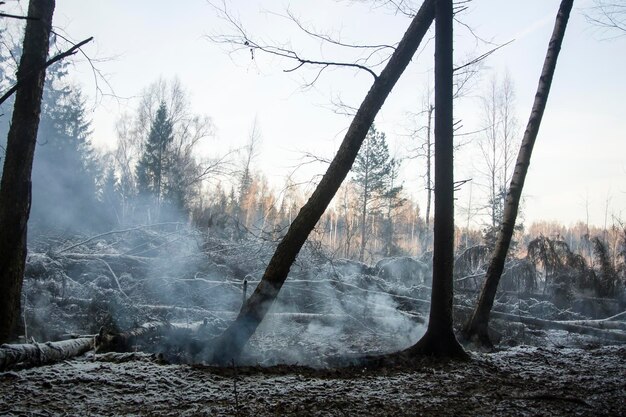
pixel 331 311
pixel 87 270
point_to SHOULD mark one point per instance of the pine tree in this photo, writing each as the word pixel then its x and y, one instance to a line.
pixel 392 201
pixel 155 161
pixel 372 175
pixel 111 198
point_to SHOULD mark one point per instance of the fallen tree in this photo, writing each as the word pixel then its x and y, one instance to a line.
pixel 573 327
pixel 122 342
pixel 35 354
pixel 599 324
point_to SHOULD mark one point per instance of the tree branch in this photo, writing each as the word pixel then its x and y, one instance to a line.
pixel 241 40
pixel 51 61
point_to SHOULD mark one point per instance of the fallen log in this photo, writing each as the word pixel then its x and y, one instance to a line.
pixel 139 260
pixel 36 354
pixel 123 342
pixel 112 232
pixel 618 316
pixel 599 324
pixel 615 335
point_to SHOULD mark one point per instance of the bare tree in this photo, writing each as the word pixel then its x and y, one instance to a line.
pixel 476 327
pixel 15 188
pixel 497 145
pixel 608 15
pixel 189 170
pixel 245 204
pixel 232 341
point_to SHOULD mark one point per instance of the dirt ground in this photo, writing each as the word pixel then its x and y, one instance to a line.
pixel 520 381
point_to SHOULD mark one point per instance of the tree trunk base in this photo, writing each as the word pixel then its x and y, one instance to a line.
pixel 430 346
pixel 438 345
pixel 478 335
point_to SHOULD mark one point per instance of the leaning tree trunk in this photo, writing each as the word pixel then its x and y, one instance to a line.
pixel 232 341
pixel 439 339
pixel 15 188
pixel 476 327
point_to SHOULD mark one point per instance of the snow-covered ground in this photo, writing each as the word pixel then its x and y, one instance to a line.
pixel 328 312
pixel 520 381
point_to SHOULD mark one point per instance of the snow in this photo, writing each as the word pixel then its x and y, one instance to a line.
pixel 328 313
pixel 520 381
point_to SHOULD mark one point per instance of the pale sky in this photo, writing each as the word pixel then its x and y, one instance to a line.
pixel 579 158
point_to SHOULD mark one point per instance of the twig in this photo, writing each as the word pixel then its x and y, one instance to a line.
pixel 241 41
pixel 132 229
pixel 114 278
pixel 483 56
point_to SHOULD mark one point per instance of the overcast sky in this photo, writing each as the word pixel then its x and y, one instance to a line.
pixel 579 158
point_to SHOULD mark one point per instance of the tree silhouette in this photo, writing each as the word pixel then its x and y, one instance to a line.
pixel 372 175
pixel 15 188
pixel 155 160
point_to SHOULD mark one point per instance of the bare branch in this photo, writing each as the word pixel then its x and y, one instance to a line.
pixel 14 16
pixel 608 15
pixel 241 40
pixel 51 61
pixel 329 39
pixel 97 74
pixel 483 56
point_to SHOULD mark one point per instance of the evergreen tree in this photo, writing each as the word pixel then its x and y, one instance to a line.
pixel 111 198
pixel 393 201
pixel 7 80
pixel 65 169
pixel 372 175
pixel 155 160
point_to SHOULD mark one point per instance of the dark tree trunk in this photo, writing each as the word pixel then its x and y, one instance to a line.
pixel 124 342
pixel 15 188
pixel 476 327
pixel 231 343
pixel 439 339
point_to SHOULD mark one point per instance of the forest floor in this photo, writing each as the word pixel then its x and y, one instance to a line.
pixel 328 313
pixel 518 381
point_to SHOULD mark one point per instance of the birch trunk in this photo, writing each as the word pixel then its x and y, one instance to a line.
pixel 43 353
